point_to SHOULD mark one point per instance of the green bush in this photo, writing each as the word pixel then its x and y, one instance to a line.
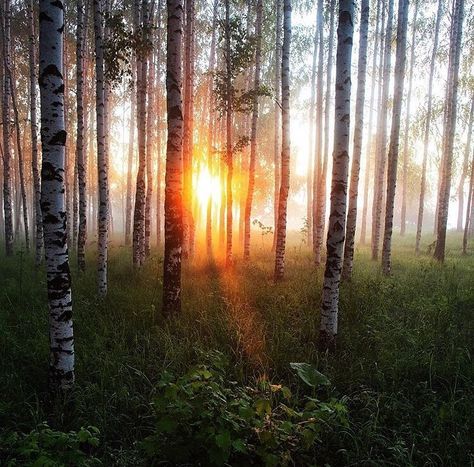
pixel 45 447
pixel 205 418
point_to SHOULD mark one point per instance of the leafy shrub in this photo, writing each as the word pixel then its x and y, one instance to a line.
pixel 205 418
pixel 45 447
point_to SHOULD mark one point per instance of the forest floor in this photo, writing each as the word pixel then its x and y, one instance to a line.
pixel 215 385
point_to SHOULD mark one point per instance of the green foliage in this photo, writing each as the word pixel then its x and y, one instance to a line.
pixel 45 447
pixel 207 418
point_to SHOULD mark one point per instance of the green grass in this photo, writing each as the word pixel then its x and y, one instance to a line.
pixel 403 364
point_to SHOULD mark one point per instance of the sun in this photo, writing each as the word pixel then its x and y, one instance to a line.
pixel 206 185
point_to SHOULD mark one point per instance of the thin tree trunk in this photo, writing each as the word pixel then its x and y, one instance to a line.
pixel 80 136
pixel 253 136
pixel 311 155
pixel 34 137
pixel 381 145
pixel 469 218
pixel 337 218
pixel 449 126
pixel 403 213
pixel 140 196
pixel 421 205
pixel 21 173
pixel 174 170
pixel 188 128
pixel 285 144
pixel 358 130
pixel 53 137
pixel 277 126
pixel 102 162
pixel 229 149
pixel 465 167
pixel 131 148
pixel 7 175
pixel 400 62
pixel 149 145
pixel 321 225
pixel 378 33
pixel 318 148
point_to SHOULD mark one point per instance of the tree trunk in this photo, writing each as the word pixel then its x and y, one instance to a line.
pixel 253 136
pixel 381 145
pixel 465 167
pixel 400 62
pixel 102 162
pixel 337 218
pixel 277 128
pixel 469 218
pixel 449 126
pixel 174 160
pixel 358 130
pixel 53 137
pixel 285 144
pixel 318 148
pixel 229 149
pixel 150 122
pixel 34 137
pixel 80 136
pixel 7 175
pixel 131 150
pixel 19 152
pixel 421 206
pixel 188 129
pixel 403 214
pixel 323 178
pixel 140 195
pixel 378 39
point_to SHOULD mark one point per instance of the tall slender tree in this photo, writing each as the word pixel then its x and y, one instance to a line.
pixel 357 145
pixel 337 218
pixel 80 135
pixel 465 167
pixel 131 153
pixel 285 144
pixel 253 137
pixel 403 211
pixel 469 218
pixel 400 62
pixel 174 160
pixel 102 162
pixel 377 55
pixel 381 144
pixel 449 126
pixel 429 112
pixel 34 135
pixel 53 137
pixel 7 156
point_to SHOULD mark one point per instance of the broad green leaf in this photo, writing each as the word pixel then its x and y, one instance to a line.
pixel 310 375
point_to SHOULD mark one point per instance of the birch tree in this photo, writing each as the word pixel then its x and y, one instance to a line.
pixel 7 176
pixel 80 133
pixel 429 112
pixel 253 137
pixel 469 218
pixel 34 136
pixel 381 144
pixel 174 170
pixel 465 167
pixel 357 144
pixel 337 218
pixel 403 212
pixel 449 129
pixel 400 62
pixel 102 163
pixel 285 144
pixel 53 137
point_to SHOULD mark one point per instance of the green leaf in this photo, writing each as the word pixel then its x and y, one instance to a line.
pixel 263 406
pixel 310 375
pixel 223 440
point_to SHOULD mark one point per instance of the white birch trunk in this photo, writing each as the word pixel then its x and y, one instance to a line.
pixel 337 218
pixel 53 137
